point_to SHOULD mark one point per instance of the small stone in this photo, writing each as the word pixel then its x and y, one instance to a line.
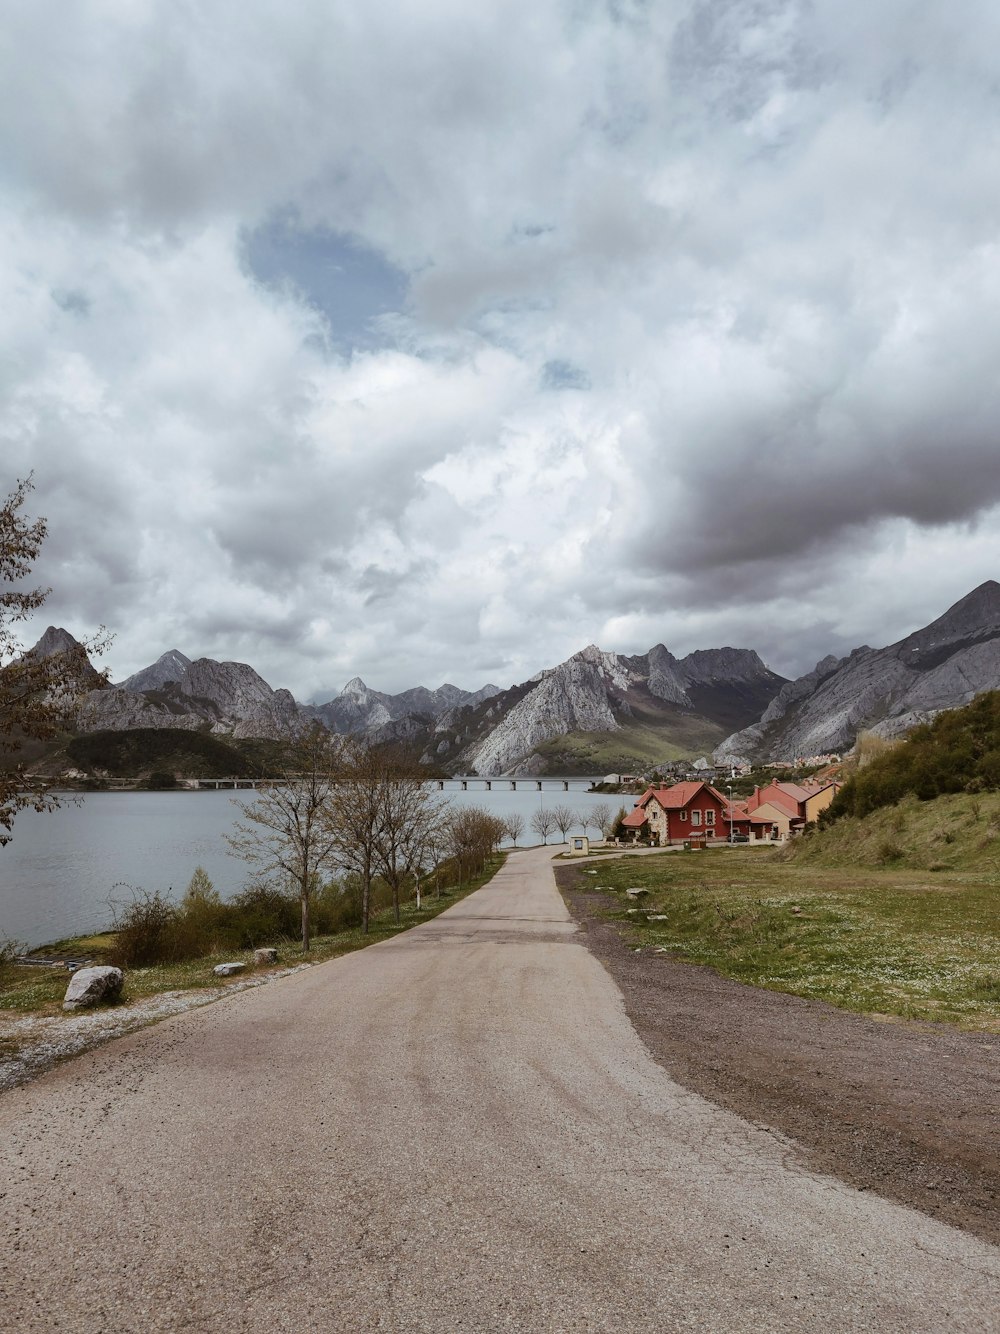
pixel 261 957
pixel 636 892
pixel 90 985
pixel 228 969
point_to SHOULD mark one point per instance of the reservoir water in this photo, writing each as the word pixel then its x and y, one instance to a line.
pixel 63 871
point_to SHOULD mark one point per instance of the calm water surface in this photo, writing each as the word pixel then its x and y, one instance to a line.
pixel 62 872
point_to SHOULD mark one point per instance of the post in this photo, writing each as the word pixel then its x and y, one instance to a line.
pixel 729 789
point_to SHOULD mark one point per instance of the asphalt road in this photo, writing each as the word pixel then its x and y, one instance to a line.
pixel 455 1130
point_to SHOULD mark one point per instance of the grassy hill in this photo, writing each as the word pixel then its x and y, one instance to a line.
pixel 958 832
pixel 640 744
pixel 958 752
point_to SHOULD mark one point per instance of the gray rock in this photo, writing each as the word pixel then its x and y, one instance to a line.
pixel 264 956
pixel 228 969
pixel 90 985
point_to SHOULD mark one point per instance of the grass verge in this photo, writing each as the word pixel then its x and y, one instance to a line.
pixel 26 990
pixel 879 941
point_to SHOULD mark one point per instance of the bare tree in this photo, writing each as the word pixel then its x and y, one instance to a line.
pixel 602 818
pixel 284 830
pixel 353 816
pixel 38 690
pixel 542 823
pixel 408 816
pixel 564 819
pixel 514 826
pixel 472 836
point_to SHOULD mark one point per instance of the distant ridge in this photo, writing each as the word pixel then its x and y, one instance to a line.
pixel 888 690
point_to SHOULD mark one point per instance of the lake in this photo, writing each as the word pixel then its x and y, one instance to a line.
pixel 62 871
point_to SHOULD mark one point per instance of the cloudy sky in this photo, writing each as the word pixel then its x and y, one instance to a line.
pixel 431 341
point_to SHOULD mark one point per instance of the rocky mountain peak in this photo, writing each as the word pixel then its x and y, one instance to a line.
pixel 55 640
pixel 169 666
pixel 730 664
pixel 969 617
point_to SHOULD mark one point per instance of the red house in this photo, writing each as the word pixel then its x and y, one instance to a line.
pixel 683 811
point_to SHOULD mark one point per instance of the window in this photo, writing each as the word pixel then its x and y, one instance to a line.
pixel 696 817
pixel 710 817
pixel 684 815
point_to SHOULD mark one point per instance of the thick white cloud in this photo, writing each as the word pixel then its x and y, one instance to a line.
pixel 696 338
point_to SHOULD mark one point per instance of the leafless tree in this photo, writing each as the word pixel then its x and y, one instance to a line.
pixel 543 823
pixel 409 816
pixel 472 836
pixel 601 817
pixel 38 692
pixel 514 826
pixel 285 829
pixel 564 819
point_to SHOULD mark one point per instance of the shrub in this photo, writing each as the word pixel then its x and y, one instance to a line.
pixel 263 913
pixel 151 930
pixel 889 851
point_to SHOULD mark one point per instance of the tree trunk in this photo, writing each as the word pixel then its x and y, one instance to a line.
pixel 304 896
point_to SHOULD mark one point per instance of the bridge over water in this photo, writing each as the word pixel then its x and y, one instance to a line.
pixel 470 783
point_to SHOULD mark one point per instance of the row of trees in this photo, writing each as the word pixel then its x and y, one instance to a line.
pixel 367 811
pixel 546 820
pixel 340 804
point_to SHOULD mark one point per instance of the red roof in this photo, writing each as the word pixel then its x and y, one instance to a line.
pixel 635 819
pixel 678 796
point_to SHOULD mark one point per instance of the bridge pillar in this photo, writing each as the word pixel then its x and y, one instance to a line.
pixel 538 784
pixel 465 786
pixel 513 786
pixel 489 786
pixel 565 785
pixel 440 784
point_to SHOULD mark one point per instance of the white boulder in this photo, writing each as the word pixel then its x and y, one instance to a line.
pixel 90 985
pixel 228 969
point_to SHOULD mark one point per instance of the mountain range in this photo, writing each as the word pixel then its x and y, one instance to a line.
pixel 595 712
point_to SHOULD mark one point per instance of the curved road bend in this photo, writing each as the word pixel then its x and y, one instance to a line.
pixel 456 1130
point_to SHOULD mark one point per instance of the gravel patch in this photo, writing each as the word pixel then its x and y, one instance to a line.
pixel 909 1111
pixel 43 1040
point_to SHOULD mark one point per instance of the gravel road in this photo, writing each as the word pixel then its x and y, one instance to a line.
pixel 455 1130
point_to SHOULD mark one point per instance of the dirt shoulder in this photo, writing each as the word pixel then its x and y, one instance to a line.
pixel 909 1111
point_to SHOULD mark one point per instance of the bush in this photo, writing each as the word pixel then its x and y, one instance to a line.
pixel 263 913
pixel 152 930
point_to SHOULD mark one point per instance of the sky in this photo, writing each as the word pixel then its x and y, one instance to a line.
pixel 428 341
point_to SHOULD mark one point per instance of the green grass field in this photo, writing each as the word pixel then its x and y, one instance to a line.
pixel 879 940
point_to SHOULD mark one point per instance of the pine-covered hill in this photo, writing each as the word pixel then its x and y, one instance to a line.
pixel 175 750
pixel 958 752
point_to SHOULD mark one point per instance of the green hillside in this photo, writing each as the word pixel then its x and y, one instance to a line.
pixel 653 736
pixel 958 752
pixel 170 749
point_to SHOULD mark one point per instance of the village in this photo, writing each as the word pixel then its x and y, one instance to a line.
pixel 694 813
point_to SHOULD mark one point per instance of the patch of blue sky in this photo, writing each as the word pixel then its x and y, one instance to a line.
pixel 563 375
pixel 350 284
